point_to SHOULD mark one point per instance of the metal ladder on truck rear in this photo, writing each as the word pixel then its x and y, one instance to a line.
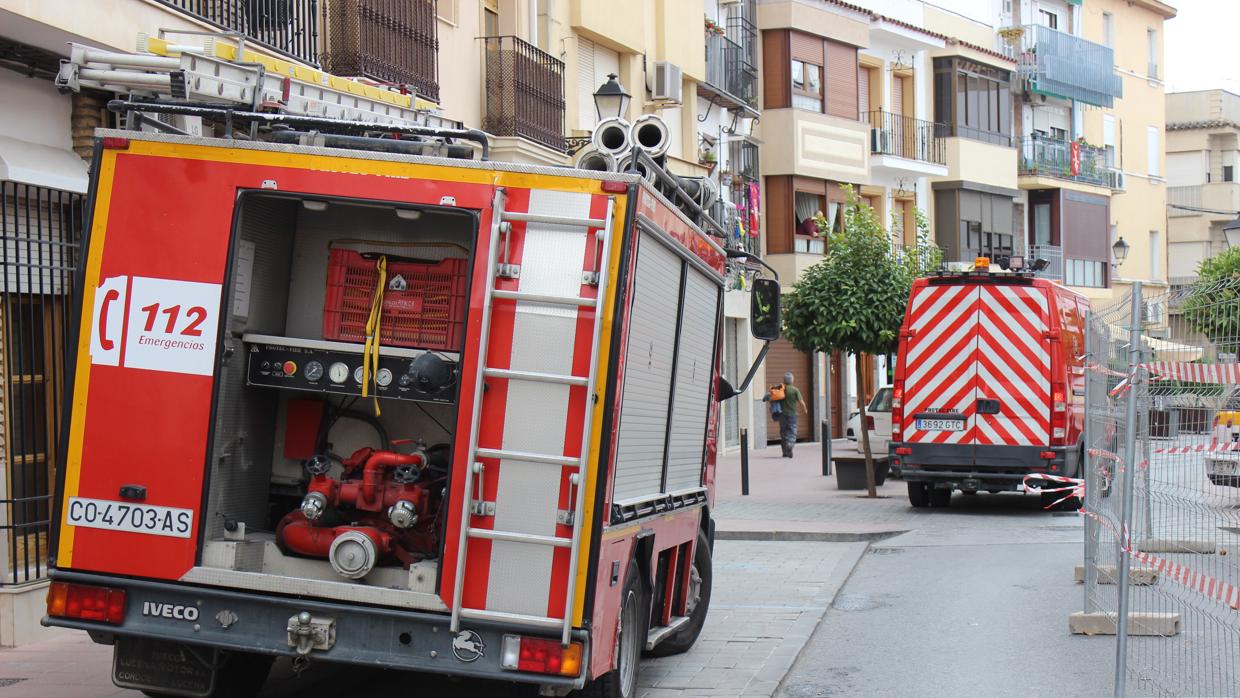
pixel 502 225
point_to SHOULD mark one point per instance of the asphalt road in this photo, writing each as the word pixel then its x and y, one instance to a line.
pixel 973 601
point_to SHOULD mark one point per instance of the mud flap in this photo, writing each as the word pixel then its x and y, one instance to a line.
pixel 165 667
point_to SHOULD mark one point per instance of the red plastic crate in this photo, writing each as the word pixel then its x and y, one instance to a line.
pixel 429 313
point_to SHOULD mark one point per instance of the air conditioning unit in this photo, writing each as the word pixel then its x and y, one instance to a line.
pixel 1115 179
pixel 667 82
pixel 881 140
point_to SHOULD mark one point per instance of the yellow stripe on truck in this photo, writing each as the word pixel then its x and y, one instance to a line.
pixel 81 376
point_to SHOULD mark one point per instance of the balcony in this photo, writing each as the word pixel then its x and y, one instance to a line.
pixel 1062 65
pixel 1214 201
pixel 289 27
pixel 1053 254
pixel 904 144
pixel 732 66
pixel 1041 156
pixel 524 92
pixel 390 42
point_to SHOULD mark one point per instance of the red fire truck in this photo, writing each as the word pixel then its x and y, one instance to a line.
pixel 989 383
pixel 336 402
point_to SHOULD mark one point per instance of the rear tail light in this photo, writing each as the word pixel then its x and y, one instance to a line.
pixel 1059 433
pixel 897 411
pixel 1059 415
pixel 897 398
pixel 83 602
pixel 1046 455
pixel 541 656
pixel 904 451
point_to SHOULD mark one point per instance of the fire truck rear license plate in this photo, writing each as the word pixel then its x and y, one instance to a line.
pixel 135 518
pixel 940 424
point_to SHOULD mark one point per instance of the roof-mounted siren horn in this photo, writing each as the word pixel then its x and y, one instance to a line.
pixel 591 158
pixel 650 133
pixel 612 136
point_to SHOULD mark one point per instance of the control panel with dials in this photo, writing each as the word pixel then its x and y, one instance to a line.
pixel 336 367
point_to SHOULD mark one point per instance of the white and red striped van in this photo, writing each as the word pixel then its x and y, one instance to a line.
pixel 989 383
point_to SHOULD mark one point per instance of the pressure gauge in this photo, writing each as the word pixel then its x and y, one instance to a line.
pixel 358 374
pixel 338 373
pixel 314 371
pixel 383 377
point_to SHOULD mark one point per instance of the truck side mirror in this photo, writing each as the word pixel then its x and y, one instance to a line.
pixel 764 309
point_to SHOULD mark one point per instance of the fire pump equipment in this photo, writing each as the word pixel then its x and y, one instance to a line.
pixel 386 501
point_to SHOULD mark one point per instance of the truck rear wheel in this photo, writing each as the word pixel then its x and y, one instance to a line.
pixel 940 497
pixel 621 682
pixel 919 494
pixel 699 602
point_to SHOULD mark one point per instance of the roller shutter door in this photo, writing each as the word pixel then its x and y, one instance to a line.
pixel 694 366
pixel 782 358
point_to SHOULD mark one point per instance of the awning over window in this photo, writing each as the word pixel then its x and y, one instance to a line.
pixel 42 165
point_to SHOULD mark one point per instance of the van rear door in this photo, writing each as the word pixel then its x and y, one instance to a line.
pixel 940 367
pixel 1013 366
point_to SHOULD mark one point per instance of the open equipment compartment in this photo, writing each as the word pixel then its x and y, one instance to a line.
pixel 309 491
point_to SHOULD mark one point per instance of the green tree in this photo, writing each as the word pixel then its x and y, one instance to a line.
pixel 854 299
pixel 1211 302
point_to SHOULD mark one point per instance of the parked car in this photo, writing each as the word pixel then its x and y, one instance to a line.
pixel 878 419
pixel 1223 467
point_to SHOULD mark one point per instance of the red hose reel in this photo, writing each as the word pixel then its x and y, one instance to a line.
pixel 379 494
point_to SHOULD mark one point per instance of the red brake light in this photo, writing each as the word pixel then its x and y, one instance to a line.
pixel 904 451
pixel 541 656
pixel 1046 455
pixel 897 398
pixel 83 602
pixel 115 143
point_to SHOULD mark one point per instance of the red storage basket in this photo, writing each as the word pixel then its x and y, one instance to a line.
pixel 428 313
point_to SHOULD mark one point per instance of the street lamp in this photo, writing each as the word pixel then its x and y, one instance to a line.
pixel 610 99
pixel 1120 251
pixel 1231 233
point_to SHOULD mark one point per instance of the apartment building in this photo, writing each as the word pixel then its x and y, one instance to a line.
pixel 1019 127
pixel 1203 190
pixel 526 71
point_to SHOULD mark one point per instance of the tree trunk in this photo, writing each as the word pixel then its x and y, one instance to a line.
pixel 865 434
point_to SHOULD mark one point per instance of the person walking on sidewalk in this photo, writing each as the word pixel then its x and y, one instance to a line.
pixel 788 408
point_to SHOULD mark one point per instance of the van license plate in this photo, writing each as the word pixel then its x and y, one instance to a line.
pixel 940 425
pixel 135 518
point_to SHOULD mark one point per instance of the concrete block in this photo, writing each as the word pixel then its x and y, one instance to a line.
pixel 1154 624
pixel 1107 574
pixel 1177 545
pixel 21 610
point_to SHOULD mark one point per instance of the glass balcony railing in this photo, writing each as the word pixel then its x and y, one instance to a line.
pixel 1042 156
pixel 1063 65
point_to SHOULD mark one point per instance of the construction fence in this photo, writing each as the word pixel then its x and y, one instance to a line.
pixel 1162 488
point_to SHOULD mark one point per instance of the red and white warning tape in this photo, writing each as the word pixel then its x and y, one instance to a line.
pixel 1228 374
pixel 1212 447
pixel 1074 487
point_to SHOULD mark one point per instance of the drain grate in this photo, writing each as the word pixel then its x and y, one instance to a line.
pixel 5 683
pixel 885 551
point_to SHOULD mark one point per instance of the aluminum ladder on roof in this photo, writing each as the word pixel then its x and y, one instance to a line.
pixel 502 225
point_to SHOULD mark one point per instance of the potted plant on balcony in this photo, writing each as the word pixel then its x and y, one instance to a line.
pixel 713 27
pixel 708 159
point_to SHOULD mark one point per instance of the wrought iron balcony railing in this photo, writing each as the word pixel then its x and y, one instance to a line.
pixel 1050 157
pixel 1063 65
pixel 287 26
pixel 524 91
pixel 905 137
pixel 730 70
pixel 390 41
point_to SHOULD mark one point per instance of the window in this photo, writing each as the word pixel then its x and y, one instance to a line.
pixel 1108 29
pixel 807 206
pixel 1228 173
pixel 1153 153
pixel 1085 272
pixel 1048 19
pixel 446 11
pixel 594 64
pixel 1155 255
pixel 490 18
pixel 1151 39
pixel 1108 139
pixel 806 86
pixel 973 100
pixel 1041 224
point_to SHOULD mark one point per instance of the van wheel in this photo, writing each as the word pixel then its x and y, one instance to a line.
pixel 940 497
pixel 918 494
pixel 699 603
pixel 621 682
pixel 240 675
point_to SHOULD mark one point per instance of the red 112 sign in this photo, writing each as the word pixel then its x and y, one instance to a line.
pixel 155 324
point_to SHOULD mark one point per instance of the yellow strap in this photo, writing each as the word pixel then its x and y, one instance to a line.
pixel 370 353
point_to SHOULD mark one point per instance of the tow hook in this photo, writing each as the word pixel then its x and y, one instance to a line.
pixel 307 633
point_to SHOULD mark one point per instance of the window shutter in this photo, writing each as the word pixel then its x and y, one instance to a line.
pixel 897 95
pixel 585 84
pixel 863 88
pixel 842 80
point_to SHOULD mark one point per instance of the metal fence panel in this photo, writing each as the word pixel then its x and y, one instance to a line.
pixel 1180 401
